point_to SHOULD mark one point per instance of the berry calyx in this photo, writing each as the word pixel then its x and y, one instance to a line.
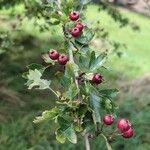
pixel 75 32
pixel 128 134
pixel 74 15
pixel 97 78
pixel 53 54
pixel 80 26
pixel 108 119
pixel 123 125
pixel 62 59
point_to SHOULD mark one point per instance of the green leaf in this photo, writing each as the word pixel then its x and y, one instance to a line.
pixel 82 48
pixel 71 135
pixel 85 48
pixel 70 69
pixel 34 80
pixel 65 81
pixel 88 120
pixel 82 109
pixel 96 62
pixel 109 93
pixel 107 105
pixel 33 66
pixel 92 59
pixel 84 61
pixel 77 127
pixel 24 75
pixel 72 92
pixel 47 115
pixel 95 103
pixel 53 21
pixel 85 37
pixel 67 6
pixel 67 130
pixel 60 136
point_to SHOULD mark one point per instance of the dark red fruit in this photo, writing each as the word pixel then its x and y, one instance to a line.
pixel 128 134
pixel 62 59
pixel 108 119
pixel 53 54
pixel 80 26
pixel 97 78
pixel 75 32
pixel 74 15
pixel 123 125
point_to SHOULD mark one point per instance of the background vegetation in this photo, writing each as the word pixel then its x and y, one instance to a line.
pixel 24 44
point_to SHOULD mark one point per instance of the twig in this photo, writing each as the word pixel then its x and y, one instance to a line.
pixel 112 135
pixel 75 72
pixel 107 142
pixel 74 45
pixel 87 142
pixel 54 92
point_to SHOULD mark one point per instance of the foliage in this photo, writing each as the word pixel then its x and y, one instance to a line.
pixel 20 128
pixel 79 104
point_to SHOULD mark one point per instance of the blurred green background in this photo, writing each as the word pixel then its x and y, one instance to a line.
pixel 19 106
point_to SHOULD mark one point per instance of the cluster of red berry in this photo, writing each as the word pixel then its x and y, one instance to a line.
pixel 61 58
pixel 123 125
pixel 77 29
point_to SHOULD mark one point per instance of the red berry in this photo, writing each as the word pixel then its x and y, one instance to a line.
pixel 97 78
pixel 53 54
pixel 123 125
pixel 75 32
pixel 108 119
pixel 80 26
pixel 62 59
pixel 128 133
pixel 74 15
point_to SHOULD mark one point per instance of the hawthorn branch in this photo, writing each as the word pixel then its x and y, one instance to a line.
pixel 76 76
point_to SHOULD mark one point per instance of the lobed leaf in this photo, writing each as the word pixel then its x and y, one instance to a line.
pixel 108 93
pixel 96 62
pixel 95 103
pixel 85 37
pixel 34 80
pixel 72 92
pixel 47 115
pixel 66 130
